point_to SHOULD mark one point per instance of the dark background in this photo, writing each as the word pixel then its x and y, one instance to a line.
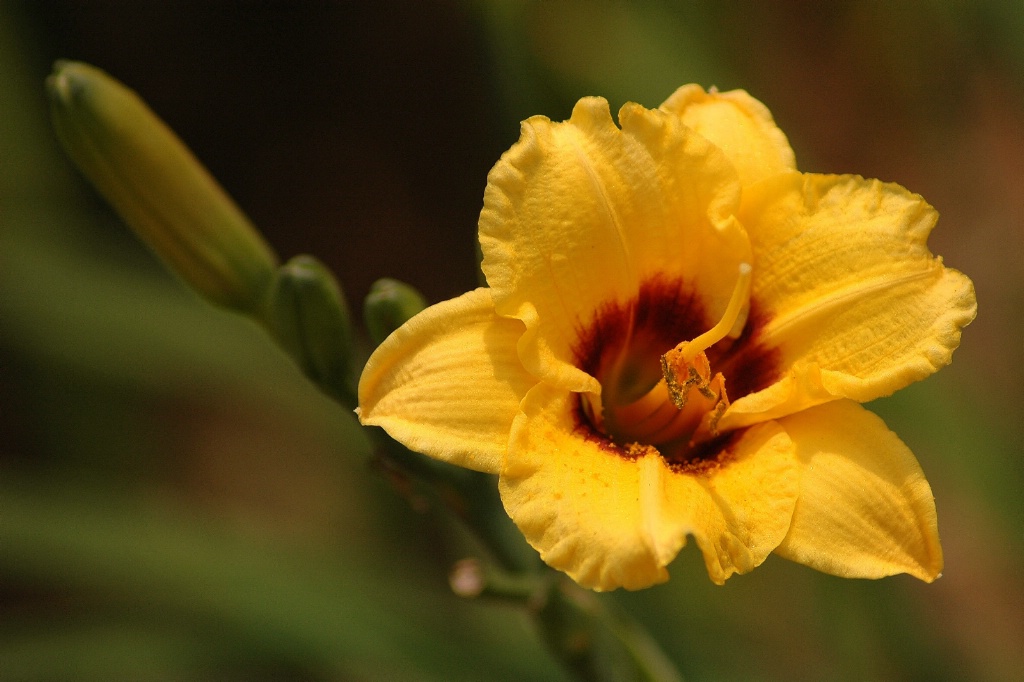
pixel 176 502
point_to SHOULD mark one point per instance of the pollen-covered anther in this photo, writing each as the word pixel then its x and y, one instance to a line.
pixel 696 371
pixel 700 396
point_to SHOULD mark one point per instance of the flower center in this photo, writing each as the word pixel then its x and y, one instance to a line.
pixel 677 411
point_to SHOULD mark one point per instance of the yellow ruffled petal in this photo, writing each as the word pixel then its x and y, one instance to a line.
pixel 613 519
pixel 849 295
pixel 448 382
pixel 865 508
pixel 737 124
pixel 581 214
pixel 746 504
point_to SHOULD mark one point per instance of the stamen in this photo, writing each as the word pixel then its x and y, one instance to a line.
pixel 732 312
pixel 680 410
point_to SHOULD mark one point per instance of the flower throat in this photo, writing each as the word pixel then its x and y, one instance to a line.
pixel 666 400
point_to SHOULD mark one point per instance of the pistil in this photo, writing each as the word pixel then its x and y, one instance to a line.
pixel 740 296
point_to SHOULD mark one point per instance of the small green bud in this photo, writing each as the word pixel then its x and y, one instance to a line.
pixel 307 314
pixel 388 306
pixel 158 187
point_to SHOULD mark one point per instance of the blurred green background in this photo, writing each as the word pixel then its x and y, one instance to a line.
pixel 177 502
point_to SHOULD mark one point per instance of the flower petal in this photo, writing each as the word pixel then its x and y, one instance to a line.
pixel 865 508
pixel 610 518
pixel 851 297
pixel 749 501
pixel 737 124
pixel 580 214
pixel 448 382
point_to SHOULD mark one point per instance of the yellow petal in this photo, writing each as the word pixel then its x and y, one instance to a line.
pixel 611 519
pixel 849 294
pixel 747 503
pixel 865 508
pixel 737 124
pixel 448 382
pixel 581 214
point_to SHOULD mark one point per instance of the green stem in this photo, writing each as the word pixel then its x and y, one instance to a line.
pixel 596 642
pixel 592 639
pixel 471 496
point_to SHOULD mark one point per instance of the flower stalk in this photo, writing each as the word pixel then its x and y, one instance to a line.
pixel 595 641
pixel 592 639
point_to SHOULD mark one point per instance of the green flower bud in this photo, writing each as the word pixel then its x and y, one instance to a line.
pixel 388 305
pixel 306 313
pixel 158 187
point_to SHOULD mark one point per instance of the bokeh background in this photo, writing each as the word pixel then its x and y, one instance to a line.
pixel 176 502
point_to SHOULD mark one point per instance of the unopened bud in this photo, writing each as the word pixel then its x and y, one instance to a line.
pixel 307 314
pixel 388 306
pixel 158 187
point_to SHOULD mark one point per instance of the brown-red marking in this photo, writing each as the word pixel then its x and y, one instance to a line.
pixel 665 313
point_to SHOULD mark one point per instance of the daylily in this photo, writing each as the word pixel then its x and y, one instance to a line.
pixel 676 333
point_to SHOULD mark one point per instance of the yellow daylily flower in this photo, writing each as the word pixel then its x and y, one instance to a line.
pixel 677 330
